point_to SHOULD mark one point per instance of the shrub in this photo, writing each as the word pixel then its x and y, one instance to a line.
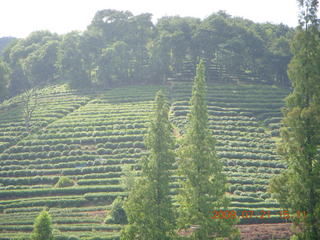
pixel 64 182
pixel 118 215
pixel 102 151
pixel 42 227
pixel 294 237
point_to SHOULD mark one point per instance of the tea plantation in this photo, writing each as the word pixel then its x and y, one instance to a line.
pixel 93 137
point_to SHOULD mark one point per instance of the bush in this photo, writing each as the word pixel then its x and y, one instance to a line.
pixel 294 237
pixel 117 214
pixel 42 227
pixel 64 182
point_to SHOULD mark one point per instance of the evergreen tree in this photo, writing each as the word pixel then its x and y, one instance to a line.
pixel 203 183
pixel 300 134
pixel 149 208
pixel 42 227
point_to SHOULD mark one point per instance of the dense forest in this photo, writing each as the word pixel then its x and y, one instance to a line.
pixel 119 48
pixel 4 42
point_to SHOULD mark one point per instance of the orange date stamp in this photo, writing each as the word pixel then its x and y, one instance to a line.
pixel 246 214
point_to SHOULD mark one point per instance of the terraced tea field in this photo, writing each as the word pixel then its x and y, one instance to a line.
pixel 93 137
pixel 244 121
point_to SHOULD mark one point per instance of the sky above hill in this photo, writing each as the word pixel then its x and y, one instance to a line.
pixel 18 18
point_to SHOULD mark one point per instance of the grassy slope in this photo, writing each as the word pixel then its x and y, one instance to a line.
pixel 90 137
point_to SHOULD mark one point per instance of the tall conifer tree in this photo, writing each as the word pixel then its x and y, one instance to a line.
pixel 149 208
pixel 203 184
pixel 298 188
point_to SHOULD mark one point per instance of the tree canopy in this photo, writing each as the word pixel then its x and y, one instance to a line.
pixel 121 48
pixel 298 188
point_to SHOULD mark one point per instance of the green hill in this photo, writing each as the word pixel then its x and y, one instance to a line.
pixel 91 137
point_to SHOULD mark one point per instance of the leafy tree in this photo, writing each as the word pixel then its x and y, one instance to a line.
pixel 70 61
pixel 280 53
pixel 160 58
pixel 176 35
pixel 300 134
pixel 210 33
pixel 121 48
pixel 32 61
pixel 18 80
pixel 4 42
pixel 203 185
pixel 111 24
pixel 149 208
pixel 134 34
pixel 42 229
pixel 128 177
pixel 139 32
pixel 113 65
pixel 30 103
pixel 4 79
pixel 40 65
pixel 91 43
pixel 117 214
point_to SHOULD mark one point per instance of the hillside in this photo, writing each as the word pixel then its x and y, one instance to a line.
pixel 4 42
pixel 92 137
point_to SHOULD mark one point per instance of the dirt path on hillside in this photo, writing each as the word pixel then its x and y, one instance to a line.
pixel 265 231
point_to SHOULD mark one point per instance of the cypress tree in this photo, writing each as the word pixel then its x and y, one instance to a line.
pixel 203 185
pixel 42 229
pixel 148 207
pixel 298 188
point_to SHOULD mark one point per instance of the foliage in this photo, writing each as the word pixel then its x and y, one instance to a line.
pixel 117 214
pixel 149 208
pixel 120 48
pixel 129 177
pixel 39 66
pixel 71 62
pixel 42 227
pixel 203 185
pixel 4 79
pixel 5 42
pixel 64 182
pixel 31 61
pixel 113 64
pixel 301 126
pixel 30 103
pixel 294 237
